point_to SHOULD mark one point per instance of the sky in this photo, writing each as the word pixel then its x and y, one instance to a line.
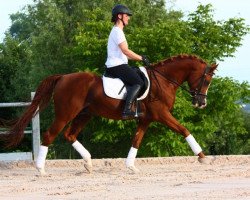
pixel 237 67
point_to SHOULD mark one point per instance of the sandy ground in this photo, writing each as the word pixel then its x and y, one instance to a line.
pixel 228 177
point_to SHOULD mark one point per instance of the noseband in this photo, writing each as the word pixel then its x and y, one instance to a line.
pixel 193 93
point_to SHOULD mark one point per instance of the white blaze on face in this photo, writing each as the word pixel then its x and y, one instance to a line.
pixel 207 88
pixel 203 106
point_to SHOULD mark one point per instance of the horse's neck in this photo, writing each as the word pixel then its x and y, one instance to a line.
pixel 178 73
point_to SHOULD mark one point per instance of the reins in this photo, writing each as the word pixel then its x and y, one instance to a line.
pixel 196 92
pixel 167 78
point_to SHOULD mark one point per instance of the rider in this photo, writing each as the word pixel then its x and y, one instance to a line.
pixel 118 54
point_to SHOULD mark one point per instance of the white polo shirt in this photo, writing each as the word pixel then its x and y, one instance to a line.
pixel 115 55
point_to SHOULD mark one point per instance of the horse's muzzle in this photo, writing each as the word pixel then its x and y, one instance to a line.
pixel 199 101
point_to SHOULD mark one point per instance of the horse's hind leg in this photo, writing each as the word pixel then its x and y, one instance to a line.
pixel 71 135
pixel 141 129
pixel 48 138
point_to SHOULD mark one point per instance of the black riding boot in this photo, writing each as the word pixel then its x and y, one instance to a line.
pixel 131 96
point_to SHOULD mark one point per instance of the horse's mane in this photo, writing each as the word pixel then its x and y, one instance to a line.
pixel 178 57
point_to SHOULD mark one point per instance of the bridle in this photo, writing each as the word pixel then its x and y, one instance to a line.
pixel 193 93
pixel 197 91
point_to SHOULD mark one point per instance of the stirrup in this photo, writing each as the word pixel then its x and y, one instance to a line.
pixel 128 114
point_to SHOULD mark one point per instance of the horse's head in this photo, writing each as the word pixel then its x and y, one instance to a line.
pixel 199 83
pixel 190 68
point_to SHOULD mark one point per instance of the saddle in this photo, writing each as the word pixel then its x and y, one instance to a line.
pixel 115 88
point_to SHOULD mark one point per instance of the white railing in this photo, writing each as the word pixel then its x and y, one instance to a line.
pixel 35 135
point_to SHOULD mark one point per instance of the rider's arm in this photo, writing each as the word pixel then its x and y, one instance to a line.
pixel 129 53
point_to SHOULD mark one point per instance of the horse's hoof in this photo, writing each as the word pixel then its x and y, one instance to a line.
pixel 88 166
pixel 206 160
pixel 41 171
pixel 133 169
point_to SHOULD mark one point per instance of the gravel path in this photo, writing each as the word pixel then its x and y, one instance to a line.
pixel 228 177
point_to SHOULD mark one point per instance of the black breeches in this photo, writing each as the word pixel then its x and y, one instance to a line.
pixel 128 75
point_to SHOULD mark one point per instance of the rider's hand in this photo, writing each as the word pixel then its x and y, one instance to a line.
pixel 145 61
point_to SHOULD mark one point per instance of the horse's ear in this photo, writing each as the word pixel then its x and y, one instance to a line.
pixel 214 67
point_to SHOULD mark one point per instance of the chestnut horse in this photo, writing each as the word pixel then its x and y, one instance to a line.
pixel 79 96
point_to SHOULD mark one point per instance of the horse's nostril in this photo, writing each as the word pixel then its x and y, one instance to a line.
pixel 202 106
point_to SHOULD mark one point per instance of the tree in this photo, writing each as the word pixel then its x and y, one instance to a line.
pixel 215 40
pixel 228 117
pixel 14 69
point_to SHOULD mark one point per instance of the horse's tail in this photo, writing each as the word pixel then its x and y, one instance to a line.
pixel 41 100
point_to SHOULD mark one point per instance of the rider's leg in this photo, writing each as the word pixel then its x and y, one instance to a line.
pixel 131 96
pixel 130 77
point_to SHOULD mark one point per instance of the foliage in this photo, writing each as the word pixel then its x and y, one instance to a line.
pixel 228 116
pixel 64 36
pixel 215 40
pixel 14 64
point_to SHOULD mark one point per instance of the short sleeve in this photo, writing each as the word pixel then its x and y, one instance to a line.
pixel 118 36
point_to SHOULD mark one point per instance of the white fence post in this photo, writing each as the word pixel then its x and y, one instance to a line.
pixel 35 131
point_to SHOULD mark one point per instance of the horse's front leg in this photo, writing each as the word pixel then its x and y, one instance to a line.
pixel 174 125
pixel 141 129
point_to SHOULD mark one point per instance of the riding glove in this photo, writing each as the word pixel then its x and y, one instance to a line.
pixel 145 61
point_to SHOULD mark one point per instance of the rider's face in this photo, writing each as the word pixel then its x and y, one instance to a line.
pixel 124 17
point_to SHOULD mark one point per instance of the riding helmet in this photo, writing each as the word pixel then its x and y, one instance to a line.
pixel 120 9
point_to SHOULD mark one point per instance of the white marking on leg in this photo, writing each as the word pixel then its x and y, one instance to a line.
pixel 81 150
pixel 41 158
pixel 85 155
pixel 130 161
pixel 193 144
